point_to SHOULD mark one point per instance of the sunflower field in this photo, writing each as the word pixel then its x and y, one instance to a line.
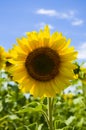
pixel 41 86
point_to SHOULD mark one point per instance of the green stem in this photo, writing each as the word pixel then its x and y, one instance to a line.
pixel 84 93
pixel 46 117
pixel 50 108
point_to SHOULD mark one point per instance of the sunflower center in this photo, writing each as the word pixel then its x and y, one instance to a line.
pixel 42 64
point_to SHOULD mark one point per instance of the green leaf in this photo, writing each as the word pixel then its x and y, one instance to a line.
pixel 59 124
pixel 1 106
pixel 13 117
pixel 70 120
pixel 40 127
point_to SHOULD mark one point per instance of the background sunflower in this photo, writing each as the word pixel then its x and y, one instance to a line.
pixel 2 58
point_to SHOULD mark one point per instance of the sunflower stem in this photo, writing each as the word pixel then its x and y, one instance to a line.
pixel 50 109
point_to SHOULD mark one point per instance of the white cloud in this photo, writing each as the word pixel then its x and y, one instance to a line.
pixel 57 14
pixel 83 45
pixel 42 24
pixel 50 26
pixel 46 12
pixel 82 54
pixel 77 22
pixel 82 51
pixel 68 15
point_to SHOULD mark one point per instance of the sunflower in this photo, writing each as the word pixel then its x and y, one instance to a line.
pixel 2 58
pixel 9 59
pixel 43 63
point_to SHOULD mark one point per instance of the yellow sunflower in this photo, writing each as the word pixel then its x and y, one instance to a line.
pixel 2 58
pixel 9 59
pixel 43 63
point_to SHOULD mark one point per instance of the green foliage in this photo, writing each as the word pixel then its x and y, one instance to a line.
pixel 22 112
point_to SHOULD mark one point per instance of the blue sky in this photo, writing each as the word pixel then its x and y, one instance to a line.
pixel 66 16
